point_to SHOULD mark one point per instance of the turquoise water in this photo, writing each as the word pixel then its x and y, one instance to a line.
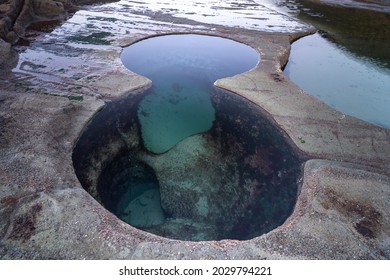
pixel 183 69
pixel 353 86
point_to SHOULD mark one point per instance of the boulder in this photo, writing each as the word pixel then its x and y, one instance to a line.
pixel 8 57
pixel 16 16
pixel 5 25
pixel 48 8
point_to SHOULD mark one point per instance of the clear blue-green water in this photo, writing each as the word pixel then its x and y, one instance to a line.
pixel 183 69
pixel 347 63
pixel 354 86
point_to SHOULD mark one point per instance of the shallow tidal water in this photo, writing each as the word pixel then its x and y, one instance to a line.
pixel 346 64
pixel 353 86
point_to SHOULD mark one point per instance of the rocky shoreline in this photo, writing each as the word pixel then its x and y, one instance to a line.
pixel 59 84
pixel 17 15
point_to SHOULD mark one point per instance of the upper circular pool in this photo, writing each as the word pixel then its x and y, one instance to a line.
pixel 183 69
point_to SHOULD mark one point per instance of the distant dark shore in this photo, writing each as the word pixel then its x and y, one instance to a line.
pixel 378 5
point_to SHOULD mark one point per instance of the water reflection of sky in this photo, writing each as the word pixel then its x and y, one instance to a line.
pixel 246 14
pixel 351 85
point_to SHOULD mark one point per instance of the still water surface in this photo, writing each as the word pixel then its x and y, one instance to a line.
pixel 346 64
pixel 183 69
pixel 356 87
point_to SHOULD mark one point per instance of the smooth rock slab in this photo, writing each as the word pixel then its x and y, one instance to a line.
pixel 341 213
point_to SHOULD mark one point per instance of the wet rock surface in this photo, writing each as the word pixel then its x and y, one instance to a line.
pixel 17 15
pixel 46 101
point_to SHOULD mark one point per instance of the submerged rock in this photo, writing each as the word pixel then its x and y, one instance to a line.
pixel 142 211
